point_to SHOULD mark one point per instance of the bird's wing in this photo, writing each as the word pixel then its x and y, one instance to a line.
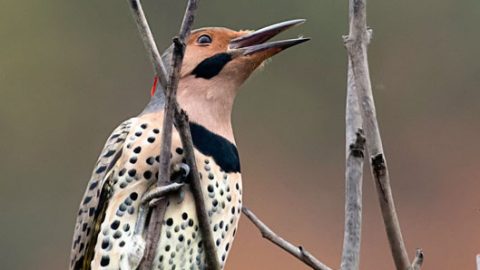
pixel 96 196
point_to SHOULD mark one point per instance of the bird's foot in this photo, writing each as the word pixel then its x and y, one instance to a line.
pixel 178 179
pixel 180 173
pixel 133 253
pixel 158 192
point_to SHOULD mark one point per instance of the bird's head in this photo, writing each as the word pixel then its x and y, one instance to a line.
pixel 216 52
pixel 218 60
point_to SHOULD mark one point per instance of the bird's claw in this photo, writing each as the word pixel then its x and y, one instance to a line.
pixel 180 173
pixel 156 193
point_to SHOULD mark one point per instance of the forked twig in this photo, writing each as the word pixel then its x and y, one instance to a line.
pixel 356 43
pixel 299 252
pixel 170 83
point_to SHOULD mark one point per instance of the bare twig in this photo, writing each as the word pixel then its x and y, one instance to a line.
pixel 353 205
pixel 170 105
pixel 158 211
pixel 299 252
pixel 181 121
pixel 418 260
pixel 171 109
pixel 355 152
pixel 149 42
pixel 356 44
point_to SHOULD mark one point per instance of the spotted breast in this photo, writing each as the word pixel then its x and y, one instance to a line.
pixel 134 172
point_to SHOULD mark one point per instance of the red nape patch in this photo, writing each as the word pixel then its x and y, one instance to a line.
pixel 154 87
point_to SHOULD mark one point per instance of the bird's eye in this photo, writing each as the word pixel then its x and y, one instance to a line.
pixel 204 40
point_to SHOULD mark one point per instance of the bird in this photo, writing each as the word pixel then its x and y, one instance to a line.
pixel 216 63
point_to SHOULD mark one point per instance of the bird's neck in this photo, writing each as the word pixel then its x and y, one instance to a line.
pixel 209 103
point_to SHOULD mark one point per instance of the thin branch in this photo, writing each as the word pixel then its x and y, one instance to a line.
pixel 166 145
pixel 353 205
pixel 355 152
pixel 356 44
pixel 181 122
pixel 158 211
pixel 181 119
pixel 149 42
pixel 299 252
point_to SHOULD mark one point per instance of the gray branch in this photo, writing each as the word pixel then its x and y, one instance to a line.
pixel 355 152
pixel 356 44
pixel 181 122
pixel 149 42
pixel 170 83
pixel 299 252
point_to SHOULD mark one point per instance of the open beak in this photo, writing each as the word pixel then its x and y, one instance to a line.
pixel 255 42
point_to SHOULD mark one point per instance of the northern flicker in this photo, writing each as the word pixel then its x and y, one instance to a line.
pixel 217 61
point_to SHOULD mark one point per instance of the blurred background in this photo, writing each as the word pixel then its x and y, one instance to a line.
pixel 70 71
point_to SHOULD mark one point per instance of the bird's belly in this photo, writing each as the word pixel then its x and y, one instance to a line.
pixel 181 245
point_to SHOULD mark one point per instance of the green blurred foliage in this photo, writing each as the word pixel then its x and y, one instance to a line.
pixel 70 71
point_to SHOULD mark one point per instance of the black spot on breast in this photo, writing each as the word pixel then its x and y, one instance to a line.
pixel 132 172
pixel 223 152
pixel 211 66
pixel 147 174
pixel 150 160
pixel 115 224
pixel 105 260
pixel 105 243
